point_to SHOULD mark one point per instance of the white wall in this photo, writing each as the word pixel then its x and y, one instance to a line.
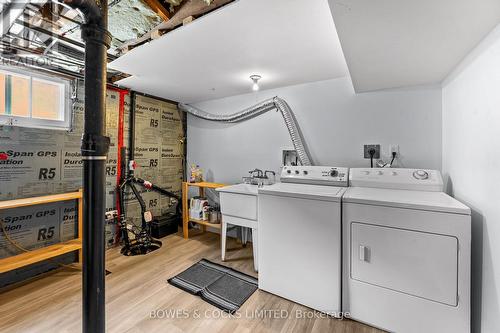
pixel 335 123
pixel 471 160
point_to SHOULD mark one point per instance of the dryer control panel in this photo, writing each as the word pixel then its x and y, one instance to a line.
pixel 397 178
pixel 315 175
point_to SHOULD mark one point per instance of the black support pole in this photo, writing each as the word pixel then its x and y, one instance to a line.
pixel 94 149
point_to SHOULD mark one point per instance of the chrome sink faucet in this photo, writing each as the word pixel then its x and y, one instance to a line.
pixel 260 178
pixel 259 173
pixel 257 177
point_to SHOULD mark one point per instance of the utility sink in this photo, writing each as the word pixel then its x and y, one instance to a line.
pixel 239 200
pixel 240 188
pixel 238 205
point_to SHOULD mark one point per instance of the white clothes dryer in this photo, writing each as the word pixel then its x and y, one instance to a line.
pixel 406 252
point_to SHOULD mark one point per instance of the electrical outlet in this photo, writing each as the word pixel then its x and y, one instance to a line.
pixel 290 157
pixel 394 149
pixel 367 149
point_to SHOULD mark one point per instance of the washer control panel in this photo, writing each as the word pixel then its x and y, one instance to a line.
pixel 397 178
pixel 316 175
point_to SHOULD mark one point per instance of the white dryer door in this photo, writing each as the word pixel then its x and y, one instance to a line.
pixel 412 262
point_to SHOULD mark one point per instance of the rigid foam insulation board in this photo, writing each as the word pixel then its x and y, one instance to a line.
pixel 159 153
pixel 45 162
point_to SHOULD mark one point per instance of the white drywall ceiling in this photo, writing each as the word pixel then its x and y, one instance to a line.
pixel 286 41
pixel 397 43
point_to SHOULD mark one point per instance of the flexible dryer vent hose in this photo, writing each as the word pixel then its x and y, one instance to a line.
pixel 255 110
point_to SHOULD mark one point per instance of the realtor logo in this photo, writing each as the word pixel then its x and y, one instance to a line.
pixel 40 33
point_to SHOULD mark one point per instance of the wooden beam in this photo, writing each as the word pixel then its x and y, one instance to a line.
pixel 195 8
pixel 11 11
pixel 155 34
pixel 117 77
pixel 187 20
pixel 158 8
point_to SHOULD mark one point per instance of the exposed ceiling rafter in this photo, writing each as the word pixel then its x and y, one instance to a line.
pixel 187 8
pixel 9 13
pixel 159 9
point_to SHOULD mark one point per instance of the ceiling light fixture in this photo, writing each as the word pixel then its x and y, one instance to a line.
pixel 255 78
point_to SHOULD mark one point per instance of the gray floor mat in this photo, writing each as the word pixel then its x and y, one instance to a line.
pixel 218 285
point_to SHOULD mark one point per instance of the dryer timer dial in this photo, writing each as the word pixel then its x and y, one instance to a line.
pixel 421 174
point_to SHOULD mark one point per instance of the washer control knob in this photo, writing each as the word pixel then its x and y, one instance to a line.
pixel 305 172
pixel 288 171
pixel 334 173
pixel 420 174
pixel 296 172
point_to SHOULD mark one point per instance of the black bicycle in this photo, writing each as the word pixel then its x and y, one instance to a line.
pixel 137 240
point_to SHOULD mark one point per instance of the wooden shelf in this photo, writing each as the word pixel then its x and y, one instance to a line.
pixel 185 205
pixel 205 184
pixel 34 256
pixel 8 204
pixel 206 223
pixel 31 257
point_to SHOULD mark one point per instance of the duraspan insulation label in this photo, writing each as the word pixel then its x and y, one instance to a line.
pixel 42 162
pixel 37 226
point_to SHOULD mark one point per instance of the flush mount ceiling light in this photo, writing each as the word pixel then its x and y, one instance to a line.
pixel 255 78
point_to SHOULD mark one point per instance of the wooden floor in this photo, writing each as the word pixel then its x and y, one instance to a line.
pixel 137 287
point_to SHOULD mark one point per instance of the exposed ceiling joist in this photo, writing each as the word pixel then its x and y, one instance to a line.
pixel 9 13
pixel 49 32
pixel 158 8
pixel 193 8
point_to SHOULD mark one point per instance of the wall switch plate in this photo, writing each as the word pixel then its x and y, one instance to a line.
pixel 367 149
pixel 394 149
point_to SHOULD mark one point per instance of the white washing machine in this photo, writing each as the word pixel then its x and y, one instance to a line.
pixel 406 252
pixel 300 236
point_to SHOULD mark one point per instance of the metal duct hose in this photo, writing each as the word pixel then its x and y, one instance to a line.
pixel 255 110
